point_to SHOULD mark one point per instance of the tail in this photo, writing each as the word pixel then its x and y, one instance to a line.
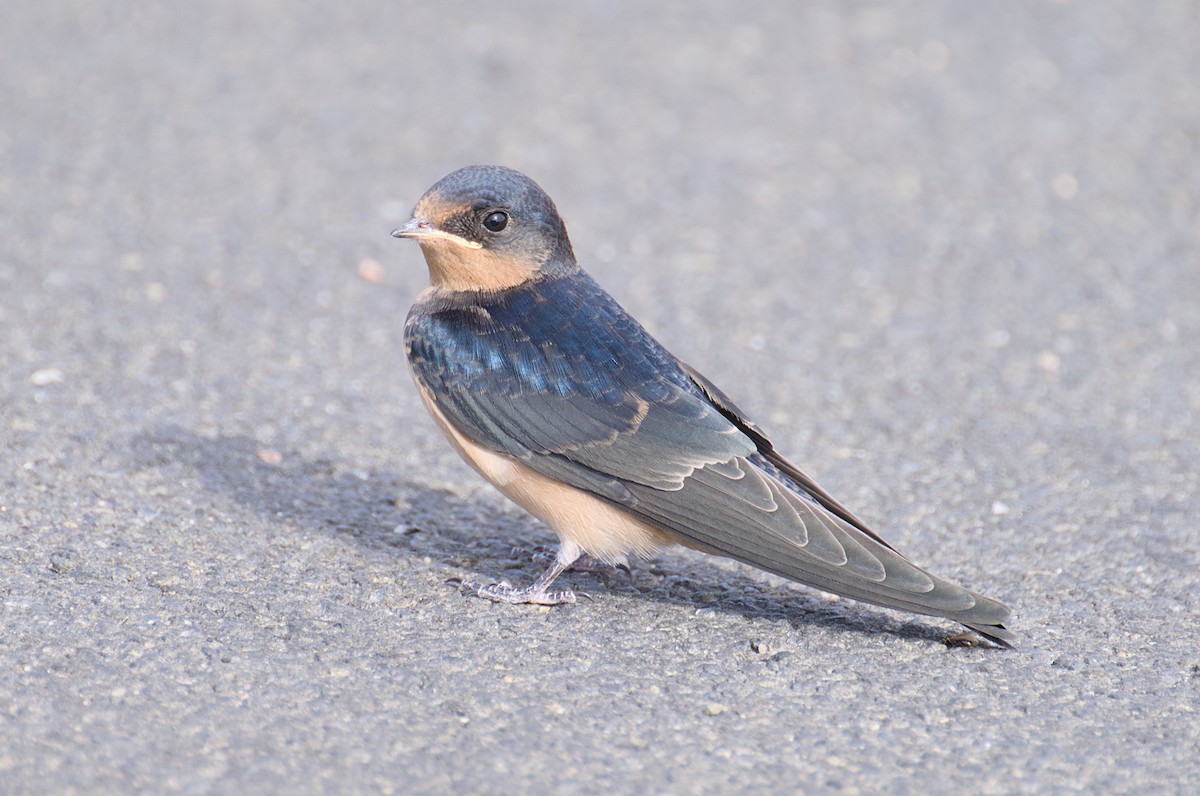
pixel 815 539
pixel 750 511
pixel 904 586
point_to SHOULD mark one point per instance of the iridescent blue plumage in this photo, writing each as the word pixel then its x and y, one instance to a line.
pixel 568 337
pixel 558 368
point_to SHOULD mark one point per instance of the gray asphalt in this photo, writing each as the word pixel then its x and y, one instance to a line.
pixel 948 254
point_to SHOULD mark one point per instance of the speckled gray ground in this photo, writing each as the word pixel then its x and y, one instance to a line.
pixel 948 253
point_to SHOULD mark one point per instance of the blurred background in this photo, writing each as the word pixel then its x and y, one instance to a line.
pixel 947 253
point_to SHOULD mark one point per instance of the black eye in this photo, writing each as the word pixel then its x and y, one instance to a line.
pixel 496 221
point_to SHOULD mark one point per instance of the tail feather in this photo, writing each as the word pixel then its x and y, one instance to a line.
pixel 798 538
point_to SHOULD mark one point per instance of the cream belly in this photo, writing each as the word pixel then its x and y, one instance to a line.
pixel 601 529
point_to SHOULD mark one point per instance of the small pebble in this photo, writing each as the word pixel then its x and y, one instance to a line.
pixel 1049 361
pixel 270 456
pixel 371 270
pixel 46 376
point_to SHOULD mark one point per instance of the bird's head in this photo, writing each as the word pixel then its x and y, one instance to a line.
pixel 488 228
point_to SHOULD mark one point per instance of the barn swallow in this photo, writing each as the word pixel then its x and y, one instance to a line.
pixel 558 397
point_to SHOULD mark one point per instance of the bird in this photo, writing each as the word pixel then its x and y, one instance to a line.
pixel 559 398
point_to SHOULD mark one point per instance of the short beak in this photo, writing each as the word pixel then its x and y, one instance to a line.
pixel 421 230
pixel 415 228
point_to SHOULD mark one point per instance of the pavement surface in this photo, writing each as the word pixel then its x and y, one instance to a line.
pixel 948 254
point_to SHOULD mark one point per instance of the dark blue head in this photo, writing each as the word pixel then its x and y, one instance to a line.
pixel 488 228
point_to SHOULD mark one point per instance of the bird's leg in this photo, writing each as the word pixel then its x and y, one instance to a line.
pixel 537 592
pixel 585 563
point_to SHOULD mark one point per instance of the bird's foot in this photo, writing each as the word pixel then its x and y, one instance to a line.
pixel 504 592
pixel 965 639
pixel 585 562
pixel 538 592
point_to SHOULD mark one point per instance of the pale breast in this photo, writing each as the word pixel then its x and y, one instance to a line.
pixel 600 528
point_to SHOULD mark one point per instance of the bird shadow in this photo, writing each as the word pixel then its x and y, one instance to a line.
pixel 380 508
